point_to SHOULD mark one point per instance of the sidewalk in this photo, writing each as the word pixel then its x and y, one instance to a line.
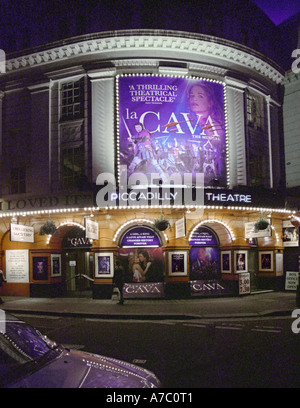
pixel 254 305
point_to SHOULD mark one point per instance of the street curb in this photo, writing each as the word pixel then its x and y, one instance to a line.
pixel 117 316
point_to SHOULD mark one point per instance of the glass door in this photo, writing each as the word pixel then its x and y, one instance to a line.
pixel 79 273
pixel 253 269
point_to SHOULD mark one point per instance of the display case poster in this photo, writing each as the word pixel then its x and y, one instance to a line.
pixel 17 265
pixel 40 267
pixel 177 263
pixel 172 125
pixel 142 264
pixel 204 263
pixel 55 265
pixel 104 265
pixel 290 234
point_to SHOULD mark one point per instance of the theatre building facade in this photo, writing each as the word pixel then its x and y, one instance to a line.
pixel 160 153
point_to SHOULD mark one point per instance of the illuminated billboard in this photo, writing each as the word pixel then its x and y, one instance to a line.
pixel 171 125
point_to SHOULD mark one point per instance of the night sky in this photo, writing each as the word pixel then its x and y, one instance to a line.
pixel 33 23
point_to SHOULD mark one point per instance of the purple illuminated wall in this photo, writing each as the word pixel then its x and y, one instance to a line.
pixel 140 237
pixel 203 236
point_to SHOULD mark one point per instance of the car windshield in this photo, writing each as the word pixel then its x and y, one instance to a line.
pixel 23 349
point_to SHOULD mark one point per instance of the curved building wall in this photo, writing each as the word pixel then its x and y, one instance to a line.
pixel 61 129
pixel 98 62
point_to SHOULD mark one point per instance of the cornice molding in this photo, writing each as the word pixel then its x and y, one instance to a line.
pixel 291 77
pixel 222 53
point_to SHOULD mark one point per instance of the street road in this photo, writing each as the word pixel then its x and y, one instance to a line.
pixel 191 353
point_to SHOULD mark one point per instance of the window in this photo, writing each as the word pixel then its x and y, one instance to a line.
pixel 18 180
pixel 72 166
pixel 255 111
pixel 257 142
pixel 72 98
pixel 258 158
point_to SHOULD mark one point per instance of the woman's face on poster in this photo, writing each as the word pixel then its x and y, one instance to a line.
pixel 142 258
pixel 199 101
pixel 138 128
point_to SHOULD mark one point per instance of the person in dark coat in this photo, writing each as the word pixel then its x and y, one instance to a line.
pixel 1 281
pixel 119 280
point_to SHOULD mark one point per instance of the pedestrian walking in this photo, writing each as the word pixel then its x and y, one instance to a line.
pixel 2 279
pixel 119 280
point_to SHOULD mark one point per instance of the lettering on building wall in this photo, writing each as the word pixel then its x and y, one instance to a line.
pixel 46 202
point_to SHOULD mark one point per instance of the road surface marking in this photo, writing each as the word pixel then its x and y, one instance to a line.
pixel 229 327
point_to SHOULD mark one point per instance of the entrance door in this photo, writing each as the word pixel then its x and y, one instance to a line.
pixel 79 272
pixel 253 269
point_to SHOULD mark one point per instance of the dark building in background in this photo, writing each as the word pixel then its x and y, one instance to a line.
pixel 73 71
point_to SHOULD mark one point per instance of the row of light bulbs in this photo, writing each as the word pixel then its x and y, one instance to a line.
pixel 138 207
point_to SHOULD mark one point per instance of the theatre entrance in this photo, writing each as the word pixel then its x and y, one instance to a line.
pixel 253 269
pixel 77 260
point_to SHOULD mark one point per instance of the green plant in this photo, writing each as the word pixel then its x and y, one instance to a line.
pixel 261 224
pixel 48 228
pixel 161 224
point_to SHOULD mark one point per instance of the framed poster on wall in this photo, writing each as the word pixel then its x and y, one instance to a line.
pixel 265 261
pixel 40 268
pixel 226 261
pixel 55 265
pixel 240 261
pixel 104 265
pixel 177 263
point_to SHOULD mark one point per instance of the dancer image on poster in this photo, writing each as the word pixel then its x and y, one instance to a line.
pixel 240 262
pixel 104 264
pixel 225 262
pixel 56 266
pixel 266 261
pixel 40 268
pixel 204 263
pixel 144 153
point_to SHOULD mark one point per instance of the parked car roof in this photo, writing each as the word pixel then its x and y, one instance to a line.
pixel 31 360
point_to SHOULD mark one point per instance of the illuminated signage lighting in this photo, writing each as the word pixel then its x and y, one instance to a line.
pixel 135 222
pixel 137 207
pixel 241 198
pixel 38 212
pixel 210 221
